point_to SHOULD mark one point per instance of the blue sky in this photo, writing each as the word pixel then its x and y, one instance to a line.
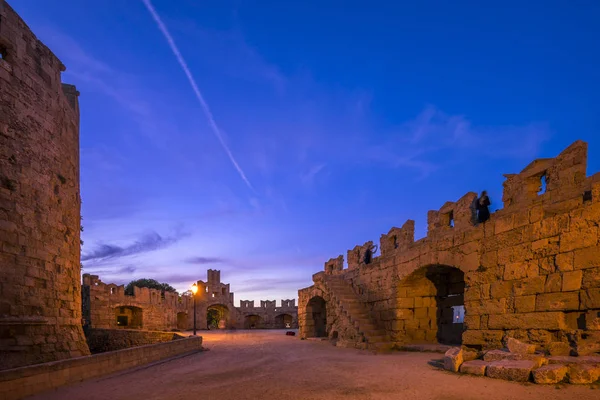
pixel 346 118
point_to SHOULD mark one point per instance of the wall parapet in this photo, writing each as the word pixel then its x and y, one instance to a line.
pixel 565 185
pixel 27 381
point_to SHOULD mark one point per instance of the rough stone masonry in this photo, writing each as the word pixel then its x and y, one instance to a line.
pixel 40 295
pixel 531 272
pixel 107 306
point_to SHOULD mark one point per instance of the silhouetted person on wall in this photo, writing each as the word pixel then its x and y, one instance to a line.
pixel 483 212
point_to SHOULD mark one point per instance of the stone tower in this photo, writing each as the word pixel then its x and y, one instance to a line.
pixel 40 284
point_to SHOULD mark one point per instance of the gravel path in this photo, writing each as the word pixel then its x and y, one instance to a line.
pixel 265 365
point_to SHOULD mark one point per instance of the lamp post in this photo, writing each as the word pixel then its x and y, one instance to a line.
pixel 194 291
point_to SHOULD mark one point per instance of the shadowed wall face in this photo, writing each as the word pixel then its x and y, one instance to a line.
pixel 40 303
pixel 316 324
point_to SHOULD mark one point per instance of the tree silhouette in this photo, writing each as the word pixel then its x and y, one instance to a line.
pixel 149 283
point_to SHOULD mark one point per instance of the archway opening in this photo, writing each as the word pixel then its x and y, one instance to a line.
pixel 252 322
pixel 431 305
pixel 217 316
pixel 182 320
pixel 283 321
pixel 128 317
pixel 316 318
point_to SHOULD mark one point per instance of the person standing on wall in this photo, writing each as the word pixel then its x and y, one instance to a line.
pixel 483 211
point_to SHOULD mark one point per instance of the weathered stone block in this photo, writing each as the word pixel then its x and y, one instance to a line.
pixel 509 370
pixel 590 298
pixel 552 320
pixel 472 321
pixel 516 270
pixel 516 346
pixel 557 301
pixel 498 355
pixel 559 349
pixel 525 304
pixel 453 359
pixel 404 313
pixel 474 367
pixel 565 261
pixel 571 280
pixel 553 283
pixel 591 278
pixel 529 286
pixel 568 360
pixel 486 307
pixel 421 312
pixel 406 302
pixel 587 258
pixel 549 374
pixel 485 338
pixel 501 289
pixel 592 320
pixel 583 373
pixel 578 239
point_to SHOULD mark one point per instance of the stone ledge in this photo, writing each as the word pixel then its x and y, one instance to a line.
pixel 26 381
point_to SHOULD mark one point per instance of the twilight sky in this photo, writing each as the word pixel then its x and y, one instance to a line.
pixel 338 120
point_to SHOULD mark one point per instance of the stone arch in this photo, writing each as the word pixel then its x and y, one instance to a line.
pixel 316 319
pixel 253 321
pixel 431 305
pixel 283 321
pixel 129 317
pixel 217 316
pixel 182 320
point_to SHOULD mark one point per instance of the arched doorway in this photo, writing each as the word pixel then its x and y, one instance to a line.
pixel 182 321
pixel 316 317
pixel 431 305
pixel 252 322
pixel 128 317
pixel 283 321
pixel 217 316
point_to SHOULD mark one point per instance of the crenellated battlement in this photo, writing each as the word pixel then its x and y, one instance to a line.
pixel 528 272
pixel 564 178
pixel 141 296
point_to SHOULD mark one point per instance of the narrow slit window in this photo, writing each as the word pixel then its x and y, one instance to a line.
pixel 543 183
pixel 451 219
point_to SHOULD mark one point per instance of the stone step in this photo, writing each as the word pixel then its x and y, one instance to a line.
pixel 426 348
pixel 510 370
pixel 500 355
pixel 574 360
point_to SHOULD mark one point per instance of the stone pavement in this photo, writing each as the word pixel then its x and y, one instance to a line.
pixel 270 365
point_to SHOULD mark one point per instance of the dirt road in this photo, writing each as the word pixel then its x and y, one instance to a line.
pixel 265 365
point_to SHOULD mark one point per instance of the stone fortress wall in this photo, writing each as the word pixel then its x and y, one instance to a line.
pixel 268 315
pixel 40 296
pixel 531 272
pixel 107 306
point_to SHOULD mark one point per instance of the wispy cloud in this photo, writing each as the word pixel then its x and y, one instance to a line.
pixel 204 260
pixel 308 177
pixel 426 142
pixel 215 128
pixel 149 242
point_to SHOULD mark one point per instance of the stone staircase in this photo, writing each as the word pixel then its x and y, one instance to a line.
pixel 349 305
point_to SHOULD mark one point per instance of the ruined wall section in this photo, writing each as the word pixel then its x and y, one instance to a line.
pixel 532 271
pixel 104 302
pixel 40 296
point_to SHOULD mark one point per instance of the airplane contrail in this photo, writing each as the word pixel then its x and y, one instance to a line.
pixel 205 107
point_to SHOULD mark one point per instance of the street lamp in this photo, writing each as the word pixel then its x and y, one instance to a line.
pixel 194 290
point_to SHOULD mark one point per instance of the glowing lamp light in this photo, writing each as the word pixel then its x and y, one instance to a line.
pixel 194 290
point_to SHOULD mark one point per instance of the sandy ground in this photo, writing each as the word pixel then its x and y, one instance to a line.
pixel 263 365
